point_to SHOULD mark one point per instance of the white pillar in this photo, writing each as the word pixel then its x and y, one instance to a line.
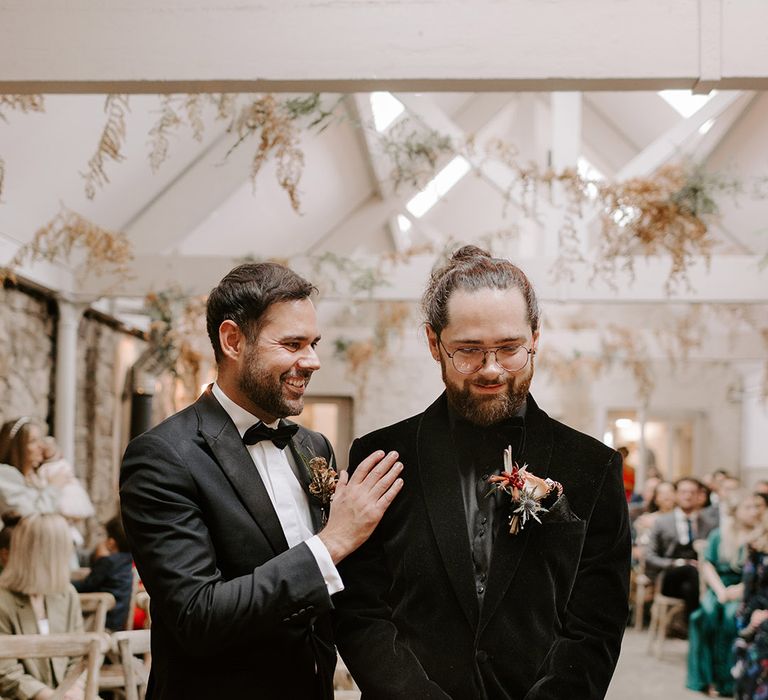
pixel 754 425
pixel 66 376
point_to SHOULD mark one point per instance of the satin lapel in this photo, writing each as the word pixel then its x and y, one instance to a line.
pixel 439 476
pixel 302 451
pixel 235 461
pixel 508 549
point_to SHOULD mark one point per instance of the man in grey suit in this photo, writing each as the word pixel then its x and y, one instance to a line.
pixel 671 550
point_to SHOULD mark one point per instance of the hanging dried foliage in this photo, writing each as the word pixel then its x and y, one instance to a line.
pixel 158 134
pixel 21 103
pixel 176 337
pixel 98 251
pixel 665 214
pixel 109 145
pixel 277 127
pixel 414 152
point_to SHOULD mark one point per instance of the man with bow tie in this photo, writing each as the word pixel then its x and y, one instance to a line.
pixel 217 506
pixel 478 584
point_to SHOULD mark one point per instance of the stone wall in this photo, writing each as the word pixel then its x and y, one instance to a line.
pixel 104 354
pixel 26 349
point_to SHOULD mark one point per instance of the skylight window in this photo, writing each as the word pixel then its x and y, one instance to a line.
pixel 438 186
pixel 386 109
pixel 685 102
pixel 403 223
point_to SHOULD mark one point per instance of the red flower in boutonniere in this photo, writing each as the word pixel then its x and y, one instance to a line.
pixel 526 490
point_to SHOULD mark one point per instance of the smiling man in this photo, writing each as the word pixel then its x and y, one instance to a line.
pixel 485 580
pixel 216 504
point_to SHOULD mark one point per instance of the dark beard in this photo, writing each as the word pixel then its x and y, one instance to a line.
pixel 489 410
pixel 266 391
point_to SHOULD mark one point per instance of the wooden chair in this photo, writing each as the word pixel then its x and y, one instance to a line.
pixel 128 673
pixel 95 607
pixel 91 646
pixel 642 587
pixel 663 609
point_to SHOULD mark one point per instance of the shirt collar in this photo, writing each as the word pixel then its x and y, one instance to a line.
pixel 240 417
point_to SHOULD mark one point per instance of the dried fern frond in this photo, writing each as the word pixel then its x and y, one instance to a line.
pixel 193 104
pixel 159 142
pixel 109 145
pixel 225 103
pixel 21 103
pixel 276 125
pixel 104 251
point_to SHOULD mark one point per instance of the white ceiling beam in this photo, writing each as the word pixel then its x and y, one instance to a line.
pixel 727 279
pixel 722 125
pixel 368 44
pixel 678 141
pixel 165 221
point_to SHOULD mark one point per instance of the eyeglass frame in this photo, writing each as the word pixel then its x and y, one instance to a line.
pixel 530 352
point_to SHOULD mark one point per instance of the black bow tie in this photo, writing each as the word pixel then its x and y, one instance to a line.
pixel 280 436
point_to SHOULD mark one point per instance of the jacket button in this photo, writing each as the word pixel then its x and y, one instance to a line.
pixel 482 656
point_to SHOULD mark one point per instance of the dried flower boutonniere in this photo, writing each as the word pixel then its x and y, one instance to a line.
pixel 526 490
pixel 322 484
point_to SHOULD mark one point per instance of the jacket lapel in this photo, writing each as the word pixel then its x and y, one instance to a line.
pixel 235 461
pixel 302 451
pixel 56 607
pixel 508 549
pixel 440 485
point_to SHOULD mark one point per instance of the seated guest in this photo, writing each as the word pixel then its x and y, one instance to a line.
pixel 9 523
pixel 111 572
pixel 641 505
pixel 751 668
pixel 712 628
pixel 22 490
pixel 36 598
pixel 670 545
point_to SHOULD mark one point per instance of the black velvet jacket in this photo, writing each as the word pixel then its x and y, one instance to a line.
pixel 409 624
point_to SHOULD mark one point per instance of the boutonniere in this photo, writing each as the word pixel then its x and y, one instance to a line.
pixel 322 482
pixel 526 490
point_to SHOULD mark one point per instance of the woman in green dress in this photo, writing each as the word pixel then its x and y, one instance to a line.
pixel 712 628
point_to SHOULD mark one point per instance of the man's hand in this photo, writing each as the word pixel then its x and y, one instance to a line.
pixel 360 502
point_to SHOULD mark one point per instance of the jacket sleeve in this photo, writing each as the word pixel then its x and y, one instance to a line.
pixel 657 560
pixel 176 558
pixel 582 660
pixel 382 666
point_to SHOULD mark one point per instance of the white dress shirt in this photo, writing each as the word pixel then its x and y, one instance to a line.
pixel 288 497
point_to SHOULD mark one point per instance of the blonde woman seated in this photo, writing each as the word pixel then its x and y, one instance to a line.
pixel 712 628
pixel 22 490
pixel 37 598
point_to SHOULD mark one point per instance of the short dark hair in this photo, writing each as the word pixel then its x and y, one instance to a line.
pixel 245 294
pixel 473 268
pixel 114 528
pixel 691 479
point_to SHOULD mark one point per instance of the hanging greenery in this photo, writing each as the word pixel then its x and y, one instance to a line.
pixel 73 240
pixel 109 144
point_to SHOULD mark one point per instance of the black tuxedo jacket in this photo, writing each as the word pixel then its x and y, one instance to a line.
pixel 408 623
pixel 235 613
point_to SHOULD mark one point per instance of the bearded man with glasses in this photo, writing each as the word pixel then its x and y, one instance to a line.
pixel 485 580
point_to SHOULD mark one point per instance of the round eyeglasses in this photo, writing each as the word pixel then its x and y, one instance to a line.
pixel 511 358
